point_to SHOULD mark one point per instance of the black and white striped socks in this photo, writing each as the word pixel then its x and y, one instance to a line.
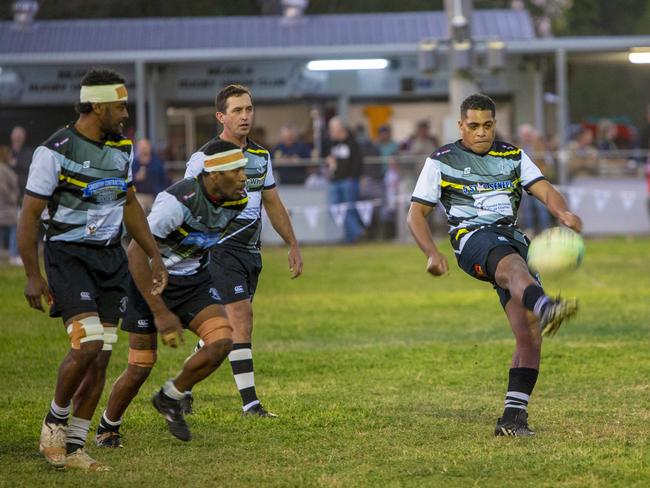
pixel 241 362
pixel 520 386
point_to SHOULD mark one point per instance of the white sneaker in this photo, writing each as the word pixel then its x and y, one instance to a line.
pixel 52 444
pixel 81 460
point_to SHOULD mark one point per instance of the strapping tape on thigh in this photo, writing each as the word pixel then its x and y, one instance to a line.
pixel 214 329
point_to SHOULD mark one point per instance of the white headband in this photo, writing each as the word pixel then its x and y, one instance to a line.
pixel 103 93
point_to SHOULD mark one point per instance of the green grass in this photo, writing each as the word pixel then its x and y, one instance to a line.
pixel 381 375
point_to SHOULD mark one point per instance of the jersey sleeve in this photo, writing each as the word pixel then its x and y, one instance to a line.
pixel 43 174
pixel 530 173
pixel 194 166
pixel 269 180
pixel 166 215
pixel 427 188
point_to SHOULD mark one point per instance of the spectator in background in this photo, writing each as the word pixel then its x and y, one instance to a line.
pixel 583 155
pixel 287 155
pixel 606 135
pixel 385 144
pixel 149 175
pixel 21 158
pixel 422 142
pixel 536 216
pixel 8 204
pixel 345 162
pixel 388 149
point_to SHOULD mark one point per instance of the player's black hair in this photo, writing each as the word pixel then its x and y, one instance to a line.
pixel 96 77
pixel 221 100
pixel 478 101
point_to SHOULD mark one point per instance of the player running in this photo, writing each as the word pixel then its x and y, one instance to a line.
pixel 187 220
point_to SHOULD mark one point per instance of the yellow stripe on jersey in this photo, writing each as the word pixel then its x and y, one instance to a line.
pixel 183 231
pixel 235 202
pixel 72 181
pixel 124 142
pixel 257 151
pixel 444 184
pixel 505 153
pixel 461 232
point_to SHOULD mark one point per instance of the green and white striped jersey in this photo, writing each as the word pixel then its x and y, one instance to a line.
pixel 476 190
pixel 187 223
pixel 85 183
pixel 244 233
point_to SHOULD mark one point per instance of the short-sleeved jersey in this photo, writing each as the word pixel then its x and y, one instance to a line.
pixel 476 190
pixel 244 233
pixel 186 224
pixel 85 183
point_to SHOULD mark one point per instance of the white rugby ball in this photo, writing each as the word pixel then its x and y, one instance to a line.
pixel 556 249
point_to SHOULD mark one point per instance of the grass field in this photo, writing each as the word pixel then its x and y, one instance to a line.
pixel 381 375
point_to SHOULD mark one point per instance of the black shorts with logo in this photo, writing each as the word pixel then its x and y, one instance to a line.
pixel 234 273
pixel 86 279
pixel 474 257
pixel 185 296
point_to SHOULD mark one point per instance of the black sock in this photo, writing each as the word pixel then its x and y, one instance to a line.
pixel 57 414
pixel 521 382
pixel 535 300
pixel 50 418
pixel 106 425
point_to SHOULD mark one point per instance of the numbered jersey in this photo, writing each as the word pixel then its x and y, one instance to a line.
pixel 244 233
pixel 476 190
pixel 85 183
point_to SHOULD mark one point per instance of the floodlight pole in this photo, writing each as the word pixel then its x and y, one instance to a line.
pixel 461 80
pixel 140 100
pixel 562 115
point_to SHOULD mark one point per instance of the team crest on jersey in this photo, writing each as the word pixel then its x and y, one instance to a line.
pixel 467 171
pixel 105 190
pixel 215 294
pixel 85 165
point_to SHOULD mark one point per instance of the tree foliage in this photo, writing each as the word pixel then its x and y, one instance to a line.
pixel 567 17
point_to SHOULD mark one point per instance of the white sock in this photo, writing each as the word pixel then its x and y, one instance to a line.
pixel 172 392
pixel 60 412
pixel 77 431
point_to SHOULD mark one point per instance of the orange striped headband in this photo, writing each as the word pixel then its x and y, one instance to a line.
pixel 225 160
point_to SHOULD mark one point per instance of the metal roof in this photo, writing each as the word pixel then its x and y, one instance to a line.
pixel 153 39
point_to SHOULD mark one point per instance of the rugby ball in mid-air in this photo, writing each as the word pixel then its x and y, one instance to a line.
pixel 556 249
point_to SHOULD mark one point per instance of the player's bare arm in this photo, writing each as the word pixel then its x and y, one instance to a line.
pixel 417 221
pixel 136 223
pixel 556 204
pixel 36 288
pixel 169 325
pixel 281 222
